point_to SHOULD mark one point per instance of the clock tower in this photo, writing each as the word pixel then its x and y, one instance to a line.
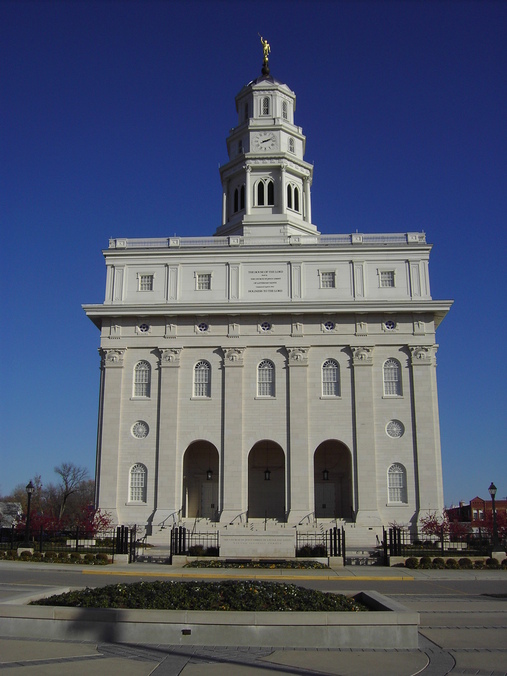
pixel 266 182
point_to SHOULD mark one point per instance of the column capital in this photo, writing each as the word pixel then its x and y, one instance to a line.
pixel 233 356
pixel 112 357
pixel 169 356
pixel 362 355
pixel 298 356
pixel 423 355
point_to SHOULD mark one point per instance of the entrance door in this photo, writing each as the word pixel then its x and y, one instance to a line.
pixel 325 500
pixel 209 495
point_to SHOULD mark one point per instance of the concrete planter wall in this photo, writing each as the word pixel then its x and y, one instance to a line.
pixel 391 625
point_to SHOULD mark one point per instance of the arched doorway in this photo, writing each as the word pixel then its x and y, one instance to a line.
pixel 266 481
pixel 332 475
pixel 200 481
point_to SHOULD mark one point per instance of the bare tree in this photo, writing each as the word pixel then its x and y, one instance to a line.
pixel 72 477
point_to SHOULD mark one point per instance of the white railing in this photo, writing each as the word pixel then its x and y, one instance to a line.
pixel 354 239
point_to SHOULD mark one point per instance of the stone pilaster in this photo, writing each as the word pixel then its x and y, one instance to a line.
pixel 168 481
pixel 429 484
pixel 234 463
pixel 365 481
pixel 108 446
pixel 299 459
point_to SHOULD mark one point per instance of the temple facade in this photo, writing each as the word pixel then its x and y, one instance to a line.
pixel 268 372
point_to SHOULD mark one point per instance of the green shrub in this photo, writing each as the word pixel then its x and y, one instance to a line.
pixel 75 557
pixel 50 555
pixel 2 554
pixel 412 562
pixel 63 556
pixel 25 556
pixel 492 563
pixel 452 564
pixel 102 559
pixel 212 551
pixel 196 550
pixel 504 563
pixel 425 562
pixel 89 558
pixel 438 563
pixel 11 554
pixel 36 556
pixel 479 564
pixel 304 551
pixel 466 563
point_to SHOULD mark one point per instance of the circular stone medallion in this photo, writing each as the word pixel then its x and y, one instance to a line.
pixel 140 429
pixel 395 429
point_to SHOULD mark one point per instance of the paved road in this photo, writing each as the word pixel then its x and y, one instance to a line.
pixel 463 628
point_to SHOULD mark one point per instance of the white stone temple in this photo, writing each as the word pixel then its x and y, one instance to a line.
pixel 268 376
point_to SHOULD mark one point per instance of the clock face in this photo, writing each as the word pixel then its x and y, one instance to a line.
pixel 264 140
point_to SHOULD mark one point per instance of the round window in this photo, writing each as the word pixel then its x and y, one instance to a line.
pixel 265 326
pixel 329 326
pixel 203 327
pixel 140 429
pixel 144 328
pixel 390 325
pixel 395 429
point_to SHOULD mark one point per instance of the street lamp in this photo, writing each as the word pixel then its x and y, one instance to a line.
pixel 29 490
pixel 492 492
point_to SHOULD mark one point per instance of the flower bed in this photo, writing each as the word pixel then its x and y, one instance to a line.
pixel 240 595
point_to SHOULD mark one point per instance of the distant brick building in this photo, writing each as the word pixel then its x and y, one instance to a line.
pixel 476 510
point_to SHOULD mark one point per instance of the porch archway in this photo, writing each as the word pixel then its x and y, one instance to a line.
pixel 200 481
pixel 332 475
pixel 266 481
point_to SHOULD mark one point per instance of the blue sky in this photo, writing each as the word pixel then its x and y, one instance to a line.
pixel 114 121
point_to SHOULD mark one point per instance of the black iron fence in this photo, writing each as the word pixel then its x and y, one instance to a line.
pixel 327 543
pixel 186 542
pixel 121 540
pixel 401 542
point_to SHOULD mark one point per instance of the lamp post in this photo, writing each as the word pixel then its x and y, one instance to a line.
pixel 29 490
pixel 492 492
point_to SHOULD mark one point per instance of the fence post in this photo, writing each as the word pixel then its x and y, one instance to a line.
pixel 41 539
pixel 343 544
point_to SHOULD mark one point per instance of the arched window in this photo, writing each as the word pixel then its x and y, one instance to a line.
pixel 289 196
pixel 137 483
pixel 266 379
pixel 330 378
pixel 260 193
pixel 392 378
pixel 242 197
pixel 284 110
pixel 397 484
pixel 142 378
pixel 296 199
pixel 202 379
pixel 271 193
pixel 236 200
pixel 265 105
pixel 291 145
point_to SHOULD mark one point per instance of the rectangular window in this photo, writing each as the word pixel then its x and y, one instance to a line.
pixel 387 278
pixel 145 282
pixel 204 281
pixel 327 280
